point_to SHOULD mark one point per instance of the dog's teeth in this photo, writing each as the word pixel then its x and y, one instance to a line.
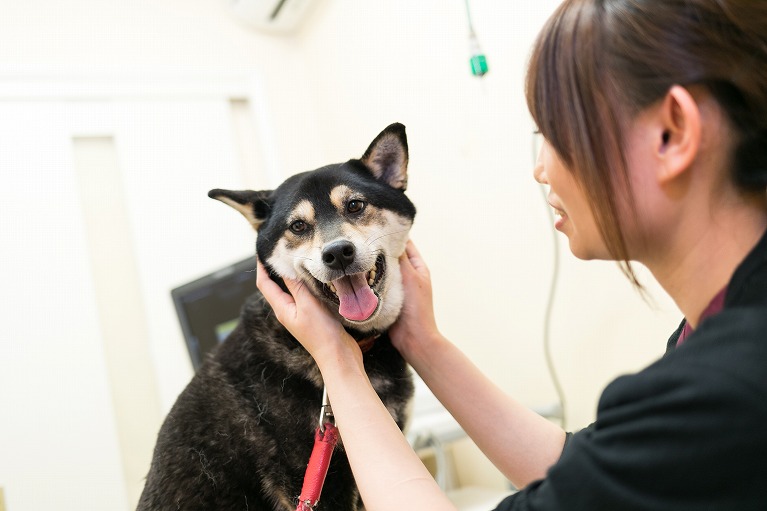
pixel 332 288
pixel 370 281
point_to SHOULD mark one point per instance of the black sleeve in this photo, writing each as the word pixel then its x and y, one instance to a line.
pixel 675 437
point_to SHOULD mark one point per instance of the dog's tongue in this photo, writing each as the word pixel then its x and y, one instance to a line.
pixel 358 302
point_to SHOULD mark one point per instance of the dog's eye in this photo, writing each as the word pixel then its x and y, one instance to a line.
pixel 355 206
pixel 298 227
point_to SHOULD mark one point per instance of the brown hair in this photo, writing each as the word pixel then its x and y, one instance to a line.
pixel 597 63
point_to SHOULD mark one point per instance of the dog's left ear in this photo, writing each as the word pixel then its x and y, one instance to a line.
pixel 254 206
pixel 387 156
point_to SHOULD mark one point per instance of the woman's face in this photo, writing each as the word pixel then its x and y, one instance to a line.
pixel 575 218
pixel 642 216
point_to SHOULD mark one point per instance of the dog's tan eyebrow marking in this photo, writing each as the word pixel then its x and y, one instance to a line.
pixel 302 211
pixel 341 194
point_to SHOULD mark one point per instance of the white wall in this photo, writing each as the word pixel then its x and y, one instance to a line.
pixel 327 91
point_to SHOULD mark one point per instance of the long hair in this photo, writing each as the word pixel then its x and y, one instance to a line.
pixel 597 63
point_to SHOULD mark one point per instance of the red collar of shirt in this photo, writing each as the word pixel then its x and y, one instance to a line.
pixel 716 305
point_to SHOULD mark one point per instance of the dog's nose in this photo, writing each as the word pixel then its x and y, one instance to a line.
pixel 338 255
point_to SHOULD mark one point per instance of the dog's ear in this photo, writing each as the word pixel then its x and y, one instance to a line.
pixel 254 206
pixel 387 156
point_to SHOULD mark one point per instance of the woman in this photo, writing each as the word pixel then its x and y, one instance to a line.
pixel 654 115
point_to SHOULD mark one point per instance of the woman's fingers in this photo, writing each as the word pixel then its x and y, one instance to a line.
pixel 411 250
pixel 272 292
pixel 414 257
pixel 289 306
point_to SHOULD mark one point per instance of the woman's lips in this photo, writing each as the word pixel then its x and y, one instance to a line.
pixel 560 222
pixel 560 215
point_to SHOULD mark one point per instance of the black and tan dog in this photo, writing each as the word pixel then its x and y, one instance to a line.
pixel 240 435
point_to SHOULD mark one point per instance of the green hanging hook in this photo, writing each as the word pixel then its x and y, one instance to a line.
pixel 477 60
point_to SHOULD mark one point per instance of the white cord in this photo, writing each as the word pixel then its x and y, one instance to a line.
pixel 468 17
pixel 550 301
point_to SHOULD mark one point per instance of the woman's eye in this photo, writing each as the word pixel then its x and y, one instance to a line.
pixel 298 226
pixel 355 206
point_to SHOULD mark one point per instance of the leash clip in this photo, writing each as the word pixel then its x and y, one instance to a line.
pixel 326 412
pixel 306 505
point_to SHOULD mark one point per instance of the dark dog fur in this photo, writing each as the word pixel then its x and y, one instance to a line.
pixel 240 435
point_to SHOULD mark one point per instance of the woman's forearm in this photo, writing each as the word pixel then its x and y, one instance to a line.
pixel 519 442
pixel 389 474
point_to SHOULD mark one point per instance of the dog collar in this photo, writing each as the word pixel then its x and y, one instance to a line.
pixel 364 340
pixel 367 343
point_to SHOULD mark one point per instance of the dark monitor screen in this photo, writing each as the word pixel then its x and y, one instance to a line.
pixel 208 308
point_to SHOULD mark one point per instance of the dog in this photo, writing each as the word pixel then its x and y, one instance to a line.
pixel 241 433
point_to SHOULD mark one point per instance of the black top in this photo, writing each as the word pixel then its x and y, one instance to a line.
pixel 688 432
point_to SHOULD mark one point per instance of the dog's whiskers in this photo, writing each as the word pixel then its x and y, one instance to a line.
pixel 369 241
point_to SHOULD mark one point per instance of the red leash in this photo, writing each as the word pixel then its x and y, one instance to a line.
pixel 325 439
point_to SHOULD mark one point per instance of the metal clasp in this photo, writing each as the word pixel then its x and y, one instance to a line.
pixel 326 412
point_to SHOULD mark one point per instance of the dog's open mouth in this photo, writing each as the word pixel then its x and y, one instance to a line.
pixel 355 294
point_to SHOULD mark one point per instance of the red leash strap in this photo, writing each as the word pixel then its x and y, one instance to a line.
pixel 319 461
pixel 325 440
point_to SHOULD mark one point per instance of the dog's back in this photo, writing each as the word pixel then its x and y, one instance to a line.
pixel 240 435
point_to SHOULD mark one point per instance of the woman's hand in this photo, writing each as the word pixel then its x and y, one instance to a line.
pixel 305 317
pixel 416 323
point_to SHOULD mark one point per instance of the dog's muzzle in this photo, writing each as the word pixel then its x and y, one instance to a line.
pixel 355 293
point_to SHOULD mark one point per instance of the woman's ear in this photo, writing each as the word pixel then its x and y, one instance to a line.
pixel 680 134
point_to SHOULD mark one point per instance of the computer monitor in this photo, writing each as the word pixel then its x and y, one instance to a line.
pixel 208 308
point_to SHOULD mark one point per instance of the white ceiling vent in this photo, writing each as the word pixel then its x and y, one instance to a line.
pixel 274 16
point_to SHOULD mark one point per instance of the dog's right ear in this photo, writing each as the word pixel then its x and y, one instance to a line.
pixel 254 206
